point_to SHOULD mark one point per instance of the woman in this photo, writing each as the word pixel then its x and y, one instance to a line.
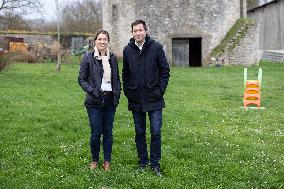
pixel 99 78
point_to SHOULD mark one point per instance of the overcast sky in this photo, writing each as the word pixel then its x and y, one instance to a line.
pixel 49 9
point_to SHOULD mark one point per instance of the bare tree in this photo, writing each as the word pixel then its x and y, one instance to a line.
pixel 82 16
pixel 23 6
pixel 78 16
pixel 13 21
pixel 58 66
pixel 42 25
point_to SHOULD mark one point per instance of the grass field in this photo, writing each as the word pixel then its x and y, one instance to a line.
pixel 208 141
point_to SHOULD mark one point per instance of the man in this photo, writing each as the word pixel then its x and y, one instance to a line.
pixel 145 77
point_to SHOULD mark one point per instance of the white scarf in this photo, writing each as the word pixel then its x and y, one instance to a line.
pixel 105 62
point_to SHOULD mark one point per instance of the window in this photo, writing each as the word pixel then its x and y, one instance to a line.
pixel 114 10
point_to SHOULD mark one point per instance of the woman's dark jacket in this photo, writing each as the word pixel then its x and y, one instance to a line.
pixel 145 75
pixel 90 79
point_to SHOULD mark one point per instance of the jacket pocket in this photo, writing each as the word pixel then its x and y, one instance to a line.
pixel 153 92
pixel 132 93
pixel 132 86
pixel 92 101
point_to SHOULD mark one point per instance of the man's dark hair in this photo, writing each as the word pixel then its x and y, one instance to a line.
pixel 103 32
pixel 139 22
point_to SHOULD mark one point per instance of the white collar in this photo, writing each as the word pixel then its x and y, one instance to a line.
pixel 140 47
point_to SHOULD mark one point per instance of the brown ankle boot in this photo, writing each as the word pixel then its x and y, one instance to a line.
pixel 93 165
pixel 106 166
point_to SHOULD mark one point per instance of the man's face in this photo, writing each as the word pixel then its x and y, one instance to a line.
pixel 139 33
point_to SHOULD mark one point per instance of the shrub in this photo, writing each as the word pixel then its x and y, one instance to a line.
pixel 28 57
pixel 4 61
pixel 9 57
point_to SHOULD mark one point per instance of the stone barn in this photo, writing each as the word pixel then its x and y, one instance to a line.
pixel 188 29
pixel 270 18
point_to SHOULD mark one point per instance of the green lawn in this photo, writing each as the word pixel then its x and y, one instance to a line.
pixel 208 141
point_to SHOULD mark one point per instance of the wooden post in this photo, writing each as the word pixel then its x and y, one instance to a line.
pixel 58 66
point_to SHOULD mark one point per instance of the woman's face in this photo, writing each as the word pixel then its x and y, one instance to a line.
pixel 101 42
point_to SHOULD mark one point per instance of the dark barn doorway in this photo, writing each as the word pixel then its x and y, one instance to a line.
pixel 186 52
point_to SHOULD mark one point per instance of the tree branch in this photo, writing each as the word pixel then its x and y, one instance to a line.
pixel 23 5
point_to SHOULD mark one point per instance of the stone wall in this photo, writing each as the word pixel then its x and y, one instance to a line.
pixel 117 18
pixel 246 52
pixel 208 19
pixel 46 40
pixel 31 38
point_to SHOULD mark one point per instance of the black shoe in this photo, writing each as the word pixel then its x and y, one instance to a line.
pixel 157 171
pixel 141 168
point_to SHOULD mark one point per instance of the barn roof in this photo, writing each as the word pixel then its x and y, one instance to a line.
pixel 263 5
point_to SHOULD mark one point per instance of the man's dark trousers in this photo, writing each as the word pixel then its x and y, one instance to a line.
pixel 155 118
